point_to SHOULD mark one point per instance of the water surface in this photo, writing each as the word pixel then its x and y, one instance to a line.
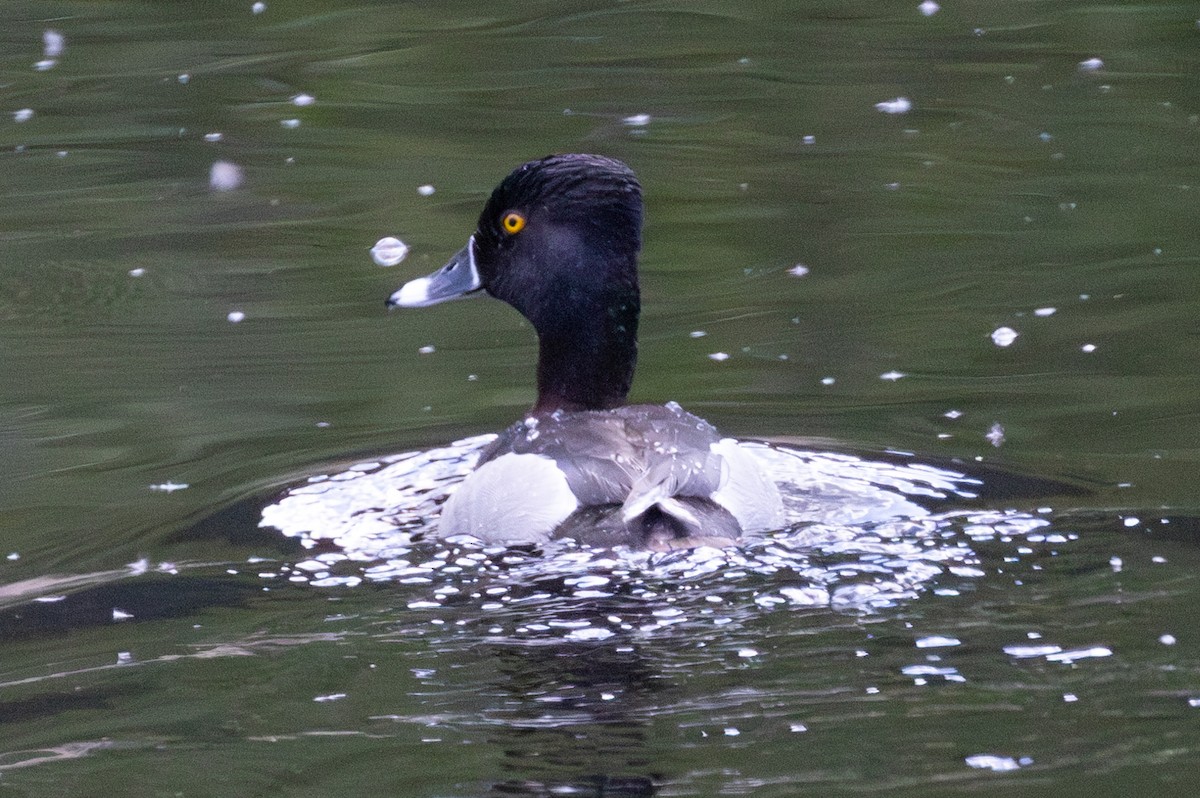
pixel 1027 188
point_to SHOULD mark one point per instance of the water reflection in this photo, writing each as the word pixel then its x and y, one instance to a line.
pixel 573 709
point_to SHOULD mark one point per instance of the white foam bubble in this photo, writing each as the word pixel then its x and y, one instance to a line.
pixel 389 251
pixel 1004 336
pixel 225 176
pixel 54 43
pixel 898 105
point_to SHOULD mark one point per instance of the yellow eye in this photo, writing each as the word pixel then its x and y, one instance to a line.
pixel 513 222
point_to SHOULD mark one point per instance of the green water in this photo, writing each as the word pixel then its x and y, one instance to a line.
pixel 1017 182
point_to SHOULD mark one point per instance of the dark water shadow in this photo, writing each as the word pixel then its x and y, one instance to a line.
pixel 146 598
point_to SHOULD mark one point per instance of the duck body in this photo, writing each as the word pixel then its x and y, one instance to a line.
pixel 558 240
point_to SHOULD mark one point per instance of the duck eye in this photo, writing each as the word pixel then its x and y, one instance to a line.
pixel 513 222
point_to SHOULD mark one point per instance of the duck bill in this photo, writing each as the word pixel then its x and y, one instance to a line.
pixel 458 278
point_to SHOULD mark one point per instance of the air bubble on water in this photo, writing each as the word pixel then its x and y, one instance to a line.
pixel 1004 336
pixel 389 251
pixel 937 641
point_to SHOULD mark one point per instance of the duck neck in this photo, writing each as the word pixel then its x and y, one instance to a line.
pixel 587 362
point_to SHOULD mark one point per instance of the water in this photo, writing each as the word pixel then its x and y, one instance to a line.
pixel 1040 637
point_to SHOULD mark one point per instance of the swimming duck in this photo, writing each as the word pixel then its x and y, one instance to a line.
pixel 559 241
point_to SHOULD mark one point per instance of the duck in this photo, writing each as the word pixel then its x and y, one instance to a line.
pixel 559 240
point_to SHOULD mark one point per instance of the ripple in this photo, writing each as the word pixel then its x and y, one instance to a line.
pixel 860 535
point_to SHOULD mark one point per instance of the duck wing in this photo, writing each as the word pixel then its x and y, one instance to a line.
pixel 656 471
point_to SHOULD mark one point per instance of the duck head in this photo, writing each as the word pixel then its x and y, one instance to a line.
pixel 558 240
